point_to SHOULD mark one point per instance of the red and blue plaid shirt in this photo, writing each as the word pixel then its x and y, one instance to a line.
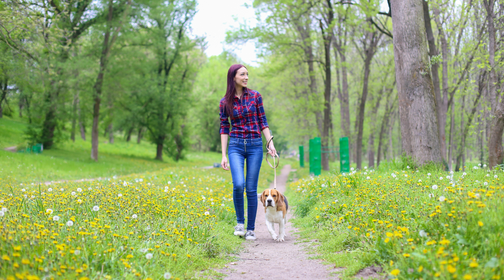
pixel 248 118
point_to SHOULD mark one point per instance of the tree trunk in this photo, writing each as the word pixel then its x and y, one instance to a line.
pixel 74 116
pixel 159 151
pixel 495 150
pixel 139 135
pixel 450 150
pixel 128 135
pixel 443 105
pixel 435 77
pixel 99 84
pixel 111 133
pixel 327 36
pixel 417 104
pixel 343 97
pixel 82 129
pixel 371 42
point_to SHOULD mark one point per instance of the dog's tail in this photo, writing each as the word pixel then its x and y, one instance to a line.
pixel 286 208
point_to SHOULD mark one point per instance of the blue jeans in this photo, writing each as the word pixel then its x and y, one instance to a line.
pixel 239 150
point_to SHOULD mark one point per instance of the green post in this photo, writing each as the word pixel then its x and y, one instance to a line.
pixel 301 156
pixel 315 156
pixel 344 155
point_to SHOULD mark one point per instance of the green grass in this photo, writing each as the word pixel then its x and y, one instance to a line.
pixel 69 160
pixel 414 224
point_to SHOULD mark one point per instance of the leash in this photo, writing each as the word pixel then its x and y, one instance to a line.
pixel 275 164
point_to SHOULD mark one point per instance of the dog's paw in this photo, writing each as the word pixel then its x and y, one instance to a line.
pixel 280 239
pixel 275 237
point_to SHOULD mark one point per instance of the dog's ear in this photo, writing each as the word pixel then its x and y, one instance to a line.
pixel 263 197
pixel 280 200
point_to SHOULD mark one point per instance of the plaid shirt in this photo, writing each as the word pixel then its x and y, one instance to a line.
pixel 248 118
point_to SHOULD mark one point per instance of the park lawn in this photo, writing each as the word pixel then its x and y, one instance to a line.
pixel 414 224
pixel 71 160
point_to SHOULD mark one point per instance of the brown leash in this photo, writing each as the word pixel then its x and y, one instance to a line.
pixel 275 163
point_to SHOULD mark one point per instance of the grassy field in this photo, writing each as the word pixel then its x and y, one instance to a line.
pixel 143 219
pixel 71 160
pixel 415 224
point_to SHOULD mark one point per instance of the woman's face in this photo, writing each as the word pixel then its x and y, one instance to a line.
pixel 241 77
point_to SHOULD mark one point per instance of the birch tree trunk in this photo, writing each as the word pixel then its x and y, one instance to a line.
pixel 417 104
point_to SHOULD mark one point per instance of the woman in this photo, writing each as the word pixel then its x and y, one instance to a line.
pixel 245 109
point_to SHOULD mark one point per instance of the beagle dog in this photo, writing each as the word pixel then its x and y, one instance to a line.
pixel 275 207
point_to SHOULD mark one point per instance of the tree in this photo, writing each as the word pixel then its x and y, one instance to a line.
pixel 110 36
pixel 495 150
pixel 417 105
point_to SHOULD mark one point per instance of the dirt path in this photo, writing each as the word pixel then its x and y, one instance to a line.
pixel 267 259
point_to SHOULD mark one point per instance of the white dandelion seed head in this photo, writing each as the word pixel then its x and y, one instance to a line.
pixel 442 198
pixel 440 178
pixel 62 189
pixel 90 189
pixel 420 180
pixel 96 208
pixel 393 175
pixel 74 193
pixel 69 223
pixel 49 189
pixel 23 190
pixel 479 164
pixel 77 252
pixel 368 177
pixel 79 201
pixel 55 218
pixel 119 195
pixel 407 167
pixel 167 275
pixel 4 209
pixel 422 233
pixel 148 256
pixel 463 174
pixel 495 176
pixel 79 189
pixel 484 165
pixel 434 187
pixel 125 183
pixel 428 174
pixel 134 216
pixel 485 183
pixel 143 250
pixel 207 213
pixel 352 169
pixel 477 195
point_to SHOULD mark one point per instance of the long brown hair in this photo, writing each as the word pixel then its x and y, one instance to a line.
pixel 231 88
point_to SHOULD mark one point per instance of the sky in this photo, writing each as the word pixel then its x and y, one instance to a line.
pixel 215 17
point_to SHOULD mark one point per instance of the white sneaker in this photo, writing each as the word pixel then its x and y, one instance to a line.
pixel 250 235
pixel 239 230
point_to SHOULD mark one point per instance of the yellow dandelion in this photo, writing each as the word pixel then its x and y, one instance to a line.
pixel 395 272
pixel 467 277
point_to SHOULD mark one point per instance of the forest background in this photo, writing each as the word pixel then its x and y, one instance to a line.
pixel 131 67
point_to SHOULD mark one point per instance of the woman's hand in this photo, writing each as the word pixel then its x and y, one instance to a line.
pixel 224 163
pixel 271 150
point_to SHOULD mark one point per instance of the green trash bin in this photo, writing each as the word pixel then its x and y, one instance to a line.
pixel 38 148
pixel 315 156
pixel 344 155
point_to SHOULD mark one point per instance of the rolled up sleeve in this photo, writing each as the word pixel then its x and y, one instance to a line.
pixel 261 116
pixel 224 122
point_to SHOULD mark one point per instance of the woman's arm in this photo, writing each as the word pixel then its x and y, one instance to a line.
pixel 224 161
pixel 271 148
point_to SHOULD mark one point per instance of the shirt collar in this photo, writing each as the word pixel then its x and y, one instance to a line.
pixel 245 91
